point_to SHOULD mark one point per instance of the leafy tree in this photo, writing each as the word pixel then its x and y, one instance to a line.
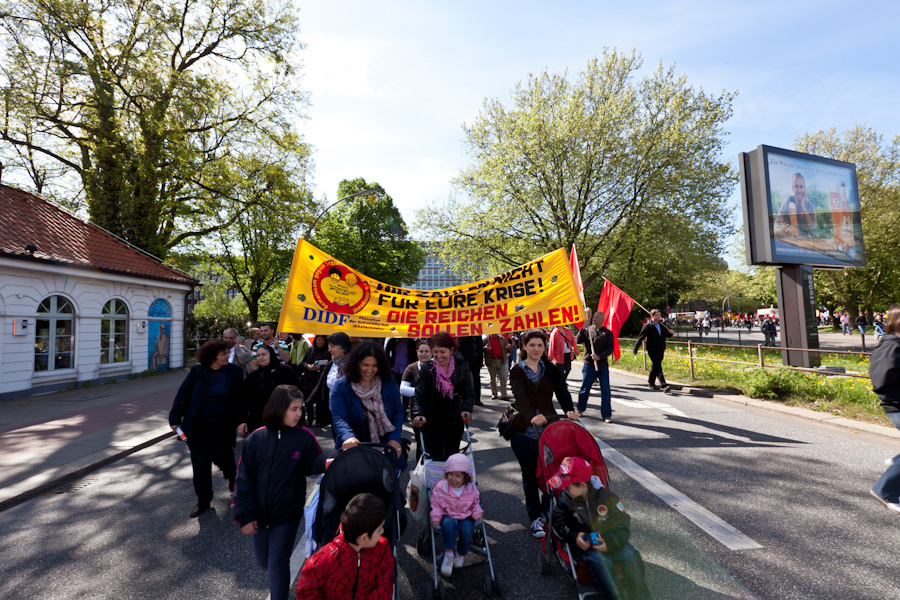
pixel 628 171
pixel 878 174
pixel 145 102
pixel 255 252
pixel 369 234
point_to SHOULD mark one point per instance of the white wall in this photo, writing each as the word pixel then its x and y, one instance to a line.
pixel 24 284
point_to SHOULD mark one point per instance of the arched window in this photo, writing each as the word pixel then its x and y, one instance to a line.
pixel 54 340
pixel 114 332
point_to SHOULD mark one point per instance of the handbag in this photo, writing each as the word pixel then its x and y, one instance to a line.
pixel 417 491
pixel 505 426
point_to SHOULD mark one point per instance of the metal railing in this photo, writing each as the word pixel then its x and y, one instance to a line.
pixel 691 357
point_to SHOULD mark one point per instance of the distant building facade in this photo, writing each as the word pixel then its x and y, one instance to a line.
pixel 435 274
pixel 78 304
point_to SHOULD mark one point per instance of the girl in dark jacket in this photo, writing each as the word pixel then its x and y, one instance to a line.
pixel 534 381
pixel 209 406
pixel 271 484
pixel 260 384
pixel 884 369
pixel 444 398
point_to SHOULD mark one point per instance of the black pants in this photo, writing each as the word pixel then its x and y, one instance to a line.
pixel 210 444
pixel 656 371
pixel 566 367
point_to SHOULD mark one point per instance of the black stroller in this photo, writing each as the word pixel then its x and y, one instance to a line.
pixel 368 468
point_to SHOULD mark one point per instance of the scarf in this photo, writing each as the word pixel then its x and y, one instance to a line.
pixel 444 385
pixel 379 424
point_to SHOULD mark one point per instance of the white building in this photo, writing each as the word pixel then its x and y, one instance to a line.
pixel 78 304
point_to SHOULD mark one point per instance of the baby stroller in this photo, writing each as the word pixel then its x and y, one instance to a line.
pixel 434 473
pixel 366 468
pixel 562 438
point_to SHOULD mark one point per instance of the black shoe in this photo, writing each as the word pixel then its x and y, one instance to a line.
pixel 478 402
pixel 199 509
pixel 653 386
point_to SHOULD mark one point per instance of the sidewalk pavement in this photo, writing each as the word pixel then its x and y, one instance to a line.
pixel 49 440
pixel 52 439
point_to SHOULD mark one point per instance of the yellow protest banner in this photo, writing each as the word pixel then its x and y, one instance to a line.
pixel 325 296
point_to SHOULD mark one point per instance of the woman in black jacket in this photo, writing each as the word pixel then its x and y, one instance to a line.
pixel 209 407
pixel 884 369
pixel 311 366
pixel 444 398
pixel 271 484
pixel 534 381
pixel 260 384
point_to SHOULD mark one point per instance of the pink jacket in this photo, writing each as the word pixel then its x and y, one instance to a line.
pixel 557 350
pixel 445 502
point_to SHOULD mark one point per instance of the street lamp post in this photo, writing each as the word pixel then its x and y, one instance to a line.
pixel 373 190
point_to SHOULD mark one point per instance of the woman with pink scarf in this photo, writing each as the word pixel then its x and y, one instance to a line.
pixel 444 398
pixel 366 404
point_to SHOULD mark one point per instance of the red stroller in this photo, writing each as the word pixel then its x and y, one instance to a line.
pixel 561 439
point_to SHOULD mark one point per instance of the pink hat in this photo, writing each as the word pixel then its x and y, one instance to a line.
pixel 571 470
pixel 457 462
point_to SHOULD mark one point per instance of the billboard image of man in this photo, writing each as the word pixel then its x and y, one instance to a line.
pixel 797 215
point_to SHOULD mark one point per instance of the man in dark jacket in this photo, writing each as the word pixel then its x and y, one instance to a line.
pixel 655 332
pixel 598 345
pixel 473 353
pixel 884 369
pixel 862 322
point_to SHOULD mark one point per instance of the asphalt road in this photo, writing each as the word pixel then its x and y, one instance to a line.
pixel 796 488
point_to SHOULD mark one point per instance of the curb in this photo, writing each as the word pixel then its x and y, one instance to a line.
pixel 797 411
pixel 39 484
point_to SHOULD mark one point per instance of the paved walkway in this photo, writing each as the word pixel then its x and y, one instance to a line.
pixel 49 440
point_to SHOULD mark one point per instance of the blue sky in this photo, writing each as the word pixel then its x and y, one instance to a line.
pixel 391 83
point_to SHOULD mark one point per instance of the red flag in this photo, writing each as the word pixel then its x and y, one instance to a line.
pixel 616 305
pixel 576 272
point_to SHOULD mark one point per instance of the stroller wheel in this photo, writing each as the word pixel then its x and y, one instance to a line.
pixel 495 585
pixel 478 537
pixel 421 545
pixel 486 584
pixel 429 593
pixel 440 590
pixel 543 563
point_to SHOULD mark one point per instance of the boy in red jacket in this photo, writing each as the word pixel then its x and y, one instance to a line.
pixel 362 569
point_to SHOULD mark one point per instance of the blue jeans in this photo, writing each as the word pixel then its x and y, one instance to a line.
pixel 588 375
pixel 627 563
pixel 888 485
pixel 845 328
pixel 862 329
pixel 465 527
pixel 599 567
pixel 526 450
pixel 273 546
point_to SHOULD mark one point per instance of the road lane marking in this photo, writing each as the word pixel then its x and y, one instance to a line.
pixel 662 406
pixel 720 531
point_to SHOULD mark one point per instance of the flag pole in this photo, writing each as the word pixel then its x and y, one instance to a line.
pixel 635 301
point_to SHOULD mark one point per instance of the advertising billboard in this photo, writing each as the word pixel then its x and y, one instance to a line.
pixel 800 209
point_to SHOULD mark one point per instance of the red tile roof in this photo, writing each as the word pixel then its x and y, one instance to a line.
pixel 62 238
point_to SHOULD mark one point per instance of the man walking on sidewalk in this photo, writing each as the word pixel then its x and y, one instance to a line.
pixel 598 345
pixel 655 332
pixel 496 348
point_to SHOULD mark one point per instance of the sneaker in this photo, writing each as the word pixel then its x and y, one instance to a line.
pixel 458 561
pixel 894 506
pixel 447 565
pixel 607 420
pixel 538 529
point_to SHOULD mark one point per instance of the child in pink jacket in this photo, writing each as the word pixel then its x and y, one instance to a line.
pixel 455 508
